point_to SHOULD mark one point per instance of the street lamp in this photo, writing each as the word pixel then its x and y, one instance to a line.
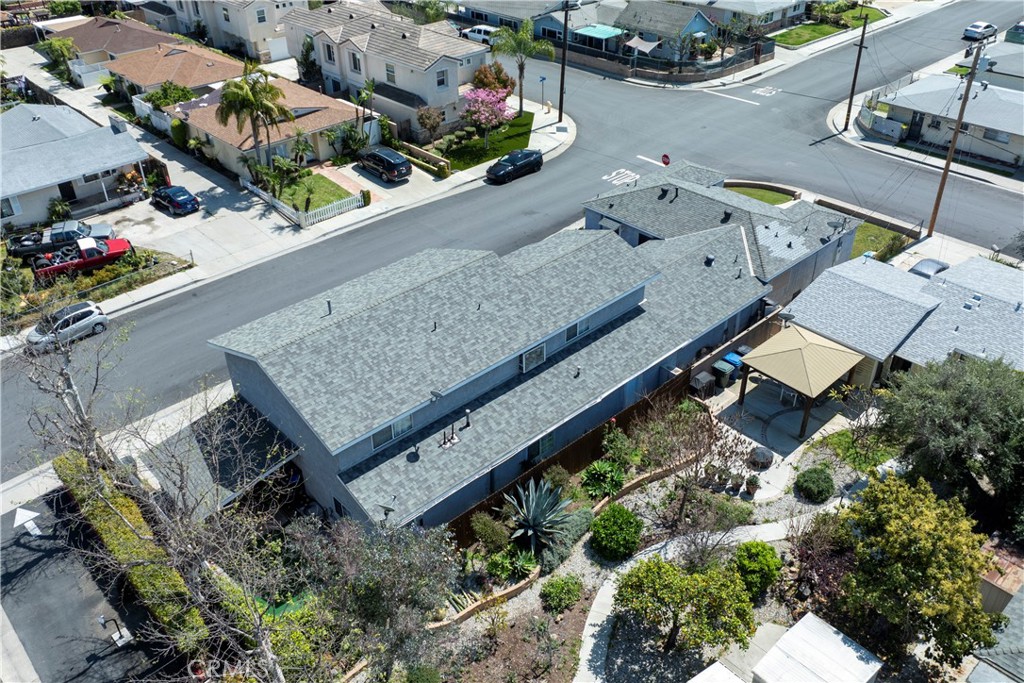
pixel 566 4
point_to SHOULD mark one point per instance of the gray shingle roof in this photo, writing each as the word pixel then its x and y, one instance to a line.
pixel 83 150
pixel 996 108
pixel 753 7
pixel 1007 657
pixel 991 327
pixel 687 300
pixel 484 311
pixel 653 16
pixel 1005 58
pixel 864 304
pixel 386 34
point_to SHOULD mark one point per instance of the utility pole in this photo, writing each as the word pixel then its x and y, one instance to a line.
pixel 856 69
pixel 956 134
pixel 565 56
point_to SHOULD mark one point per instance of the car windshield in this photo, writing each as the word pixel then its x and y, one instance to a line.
pixel 178 194
pixel 102 246
pixel 510 159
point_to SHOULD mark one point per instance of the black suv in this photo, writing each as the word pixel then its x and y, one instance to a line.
pixel 387 163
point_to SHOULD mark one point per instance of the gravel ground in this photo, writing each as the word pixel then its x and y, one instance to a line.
pixel 790 504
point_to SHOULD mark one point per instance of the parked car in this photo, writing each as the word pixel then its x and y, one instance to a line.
pixel 980 30
pixel 481 33
pixel 57 236
pixel 514 164
pixel 176 199
pixel 387 163
pixel 66 325
pixel 929 267
pixel 84 255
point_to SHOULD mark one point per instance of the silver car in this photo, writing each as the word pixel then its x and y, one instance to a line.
pixel 66 325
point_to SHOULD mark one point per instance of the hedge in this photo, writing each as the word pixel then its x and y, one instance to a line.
pixel 577 524
pixel 179 133
pixel 159 587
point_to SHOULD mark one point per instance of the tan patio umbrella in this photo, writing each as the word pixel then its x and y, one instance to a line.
pixel 802 360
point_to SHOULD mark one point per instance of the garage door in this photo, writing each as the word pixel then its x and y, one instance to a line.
pixel 278 48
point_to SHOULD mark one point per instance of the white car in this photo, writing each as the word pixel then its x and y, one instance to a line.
pixel 66 325
pixel 980 30
pixel 481 33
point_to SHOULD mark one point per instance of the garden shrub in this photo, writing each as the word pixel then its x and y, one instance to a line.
pixel 557 476
pixel 619 448
pixel 490 532
pixel 422 673
pixel 159 587
pixel 577 524
pixel 460 135
pixel 561 592
pixel 603 478
pixel 523 562
pixel 511 564
pixel 365 195
pixel 470 131
pixel 499 566
pixel 179 133
pixel 815 484
pixel 732 512
pixel 340 160
pixel 892 246
pixel 758 565
pixel 442 170
pixel 616 533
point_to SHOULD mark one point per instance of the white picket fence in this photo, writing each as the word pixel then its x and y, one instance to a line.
pixel 306 218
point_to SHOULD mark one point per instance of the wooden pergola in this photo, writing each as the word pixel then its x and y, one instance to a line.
pixel 804 361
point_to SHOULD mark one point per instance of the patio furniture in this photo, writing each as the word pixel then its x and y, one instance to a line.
pixel 703 385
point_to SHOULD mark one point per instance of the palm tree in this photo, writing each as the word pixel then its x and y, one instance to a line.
pixel 253 99
pixel 59 50
pixel 521 45
pixel 302 147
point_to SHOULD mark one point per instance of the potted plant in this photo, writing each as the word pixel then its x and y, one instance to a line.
pixel 735 482
pixel 753 484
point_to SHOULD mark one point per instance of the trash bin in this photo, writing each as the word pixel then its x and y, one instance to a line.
pixel 723 373
pixel 703 385
pixel 734 360
pixel 743 350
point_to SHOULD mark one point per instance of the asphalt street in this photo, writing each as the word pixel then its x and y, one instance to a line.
pixel 773 129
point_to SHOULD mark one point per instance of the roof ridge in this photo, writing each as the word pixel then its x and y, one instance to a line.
pixel 575 248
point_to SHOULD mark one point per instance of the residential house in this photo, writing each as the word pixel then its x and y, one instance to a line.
pixel 189 65
pixel 314 113
pixel 690 200
pixel 244 26
pixel 59 153
pixel 417 390
pixel 664 30
pixel 411 66
pixel 1002 65
pixel 590 24
pixel 993 124
pixel 1004 662
pixel 769 15
pixel 898 320
pixel 102 39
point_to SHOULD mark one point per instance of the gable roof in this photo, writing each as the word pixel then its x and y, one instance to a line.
pixel 803 360
pixel 655 16
pixel 114 36
pixel 188 65
pixel 993 107
pixel 320 112
pixel 752 7
pixel 813 650
pixel 386 35
pixel 34 135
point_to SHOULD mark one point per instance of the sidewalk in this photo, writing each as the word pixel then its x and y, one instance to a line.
pixel 235 229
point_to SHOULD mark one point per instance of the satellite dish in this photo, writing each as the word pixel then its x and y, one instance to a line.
pixel 787 316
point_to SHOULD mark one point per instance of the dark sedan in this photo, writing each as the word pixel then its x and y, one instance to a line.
pixel 175 199
pixel 514 164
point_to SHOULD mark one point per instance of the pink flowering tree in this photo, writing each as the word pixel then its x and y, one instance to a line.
pixel 487 109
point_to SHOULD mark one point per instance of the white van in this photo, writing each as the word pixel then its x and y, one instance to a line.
pixel 481 33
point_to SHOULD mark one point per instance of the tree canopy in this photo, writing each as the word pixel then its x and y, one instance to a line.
pixel 253 99
pixel 168 93
pixel 917 570
pixel 521 46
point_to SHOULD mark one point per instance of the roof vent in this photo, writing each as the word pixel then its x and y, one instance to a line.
pixel 789 245
pixel 329 10
pixel 709 260
pixel 373 26
pixel 728 216
pixel 1017 307
pixel 969 306
pixel 404 36
pixel 36 117
pixel 663 193
pixel 739 273
pixel 209 64
pixel 976 297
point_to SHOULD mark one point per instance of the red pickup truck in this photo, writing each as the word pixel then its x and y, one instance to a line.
pixel 84 255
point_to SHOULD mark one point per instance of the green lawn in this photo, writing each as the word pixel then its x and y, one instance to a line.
pixel 856 15
pixel 766 196
pixel 325 191
pixel 959 70
pixel 805 33
pixel 515 136
pixel 870 237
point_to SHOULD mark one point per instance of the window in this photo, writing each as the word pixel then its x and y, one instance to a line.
pixel 514 25
pixel 355 61
pixel 329 52
pixel 9 206
pixel 532 358
pixel 997 135
pixel 391 432
pixel 261 16
pixel 340 509
pixel 335 85
pixel 577 329
pixel 90 178
pixel 541 448
pixel 442 78
pixel 550 33
pixel 477 16
pixel 389 70
pixel 224 13
pixel 964 127
pixel 181 5
pixel 195 6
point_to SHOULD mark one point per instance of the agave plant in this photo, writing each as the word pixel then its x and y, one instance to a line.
pixel 538 512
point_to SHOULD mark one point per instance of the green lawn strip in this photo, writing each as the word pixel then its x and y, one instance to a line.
pixel 963 162
pixel 516 135
pixel 805 33
pixel 856 15
pixel 766 196
pixel 959 70
pixel 870 237
pixel 841 443
pixel 325 191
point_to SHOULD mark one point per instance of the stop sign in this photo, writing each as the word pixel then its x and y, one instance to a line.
pixel 664 159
